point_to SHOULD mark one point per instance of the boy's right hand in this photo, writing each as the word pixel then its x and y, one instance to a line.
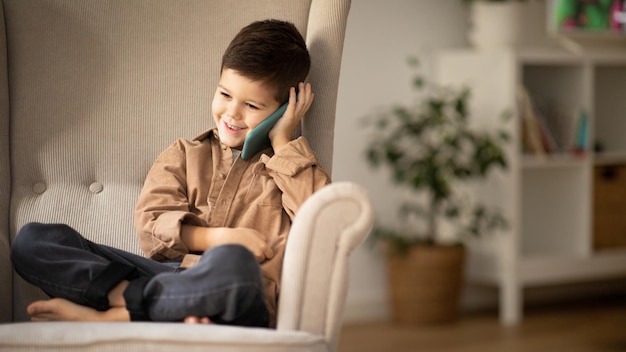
pixel 283 130
pixel 199 239
pixel 249 238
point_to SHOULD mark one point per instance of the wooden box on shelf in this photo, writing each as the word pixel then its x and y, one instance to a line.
pixel 609 206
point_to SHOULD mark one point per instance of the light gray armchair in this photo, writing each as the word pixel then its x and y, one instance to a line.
pixel 91 91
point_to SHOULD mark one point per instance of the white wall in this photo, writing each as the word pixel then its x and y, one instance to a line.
pixel 380 36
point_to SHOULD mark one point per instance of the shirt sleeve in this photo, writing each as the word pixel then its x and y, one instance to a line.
pixel 297 173
pixel 163 205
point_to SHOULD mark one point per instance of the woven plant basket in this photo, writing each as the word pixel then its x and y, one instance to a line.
pixel 426 284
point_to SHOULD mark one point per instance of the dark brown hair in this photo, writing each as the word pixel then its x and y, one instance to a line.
pixel 270 51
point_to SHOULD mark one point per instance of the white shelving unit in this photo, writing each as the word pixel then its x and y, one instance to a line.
pixel 547 199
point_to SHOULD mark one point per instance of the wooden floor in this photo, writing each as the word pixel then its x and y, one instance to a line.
pixel 579 326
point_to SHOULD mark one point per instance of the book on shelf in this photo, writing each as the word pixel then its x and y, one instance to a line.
pixel 546 129
pixel 547 138
pixel 582 131
pixel 532 135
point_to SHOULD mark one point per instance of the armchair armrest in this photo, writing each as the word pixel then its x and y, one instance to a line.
pixel 328 227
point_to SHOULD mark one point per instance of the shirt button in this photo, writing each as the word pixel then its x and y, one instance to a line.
pixel 223 176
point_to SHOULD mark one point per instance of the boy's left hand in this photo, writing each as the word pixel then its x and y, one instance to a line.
pixel 283 129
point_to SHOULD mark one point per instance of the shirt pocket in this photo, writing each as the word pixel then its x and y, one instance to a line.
pixel 262 190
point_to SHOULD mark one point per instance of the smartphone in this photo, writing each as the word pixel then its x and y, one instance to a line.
pixel 259 138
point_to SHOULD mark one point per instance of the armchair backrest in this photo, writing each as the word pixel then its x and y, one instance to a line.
pixel 92 91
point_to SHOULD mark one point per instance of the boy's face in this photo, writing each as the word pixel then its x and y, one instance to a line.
pixel 239 105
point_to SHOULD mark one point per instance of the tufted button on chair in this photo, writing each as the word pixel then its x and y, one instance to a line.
pixel 91 91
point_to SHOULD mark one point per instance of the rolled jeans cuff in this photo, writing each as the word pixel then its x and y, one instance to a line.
pixel 133 295
pixel 97 293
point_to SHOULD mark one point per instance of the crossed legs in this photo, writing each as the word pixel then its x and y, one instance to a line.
pixel 93 282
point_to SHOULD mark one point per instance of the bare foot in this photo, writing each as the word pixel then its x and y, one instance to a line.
pixel 58 309
pixel 197 320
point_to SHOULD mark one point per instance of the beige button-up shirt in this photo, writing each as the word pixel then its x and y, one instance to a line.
pixel 198 183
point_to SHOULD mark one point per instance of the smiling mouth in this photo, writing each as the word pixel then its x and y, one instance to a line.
pixel 233 128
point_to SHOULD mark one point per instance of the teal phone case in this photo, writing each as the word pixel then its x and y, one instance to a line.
pixel 259 138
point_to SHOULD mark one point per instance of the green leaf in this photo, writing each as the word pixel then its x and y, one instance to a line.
pixel 418 83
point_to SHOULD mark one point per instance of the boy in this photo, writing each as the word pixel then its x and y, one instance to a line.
pixel 215 225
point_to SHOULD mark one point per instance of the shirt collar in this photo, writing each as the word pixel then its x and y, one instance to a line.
pixel 206 134
pixel 213 131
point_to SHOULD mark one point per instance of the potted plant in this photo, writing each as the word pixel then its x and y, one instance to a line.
pixel 432 152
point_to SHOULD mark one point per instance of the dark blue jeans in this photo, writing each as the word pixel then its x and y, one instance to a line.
pixel 226 285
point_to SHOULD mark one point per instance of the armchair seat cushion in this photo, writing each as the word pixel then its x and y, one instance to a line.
pixel 153 337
